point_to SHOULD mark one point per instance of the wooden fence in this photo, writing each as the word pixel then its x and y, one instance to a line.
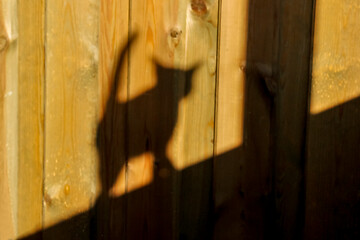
pixel 232 119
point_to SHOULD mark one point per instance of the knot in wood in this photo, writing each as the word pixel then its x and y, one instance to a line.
pixel 175 33
pixel 199 7
pixel 174 37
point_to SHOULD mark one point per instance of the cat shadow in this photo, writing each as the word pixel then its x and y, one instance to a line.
pixel 143 124
pixel 176 202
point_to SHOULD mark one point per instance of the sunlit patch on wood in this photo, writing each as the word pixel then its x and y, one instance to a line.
pixel 140 174
pixel 336 54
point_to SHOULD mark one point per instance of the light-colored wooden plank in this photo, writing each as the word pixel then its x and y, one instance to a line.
pixel 333 180
pixel 232 59
pixel 336 56
pixel 71 109
pixel 114 16
pixel 230 95
pixel 31 116
pixel 228 174
pixel 7 224
pixel 8 118
pixel 194 134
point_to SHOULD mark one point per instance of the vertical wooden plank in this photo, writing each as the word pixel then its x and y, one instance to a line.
pixel 230 92
pixel 290 103
pixel 172 124
pixel 334 53
pixel 228 175
pixel 31 116
pixel 8 111
pixel 110 215
pixel 258 114
pixel 193 139
pixel 333 180
pixel 7 222
pixel 71 110
pixel 275 113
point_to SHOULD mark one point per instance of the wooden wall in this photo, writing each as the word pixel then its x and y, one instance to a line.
pixel 264 145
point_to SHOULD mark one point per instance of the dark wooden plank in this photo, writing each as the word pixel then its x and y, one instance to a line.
pixel 257 179
pixel 292 76
pixel 276 90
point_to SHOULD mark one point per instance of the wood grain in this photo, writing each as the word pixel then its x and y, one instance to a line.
pixel 336 57
pixel 194 135
pixel 291 101
pixel 274 117
pixel 258 127
pixel 228 175
pixel 332 179
pixel 7 213
pixel 230 95
pixel 114 16
pixel 71 109
pixel 31 116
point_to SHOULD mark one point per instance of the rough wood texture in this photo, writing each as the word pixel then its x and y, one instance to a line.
pixel 291 100
pixel 31 116
pixel 336 54
pixel 7 218
pixel 230 93
pixel 71 109
pixel 111 215
pixel 228 175
pixel 174 36
pixel 278 53
pixel 333 179
pixel 167 104
pixel 258 165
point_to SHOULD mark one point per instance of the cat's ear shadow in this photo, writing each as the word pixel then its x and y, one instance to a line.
pixel 191 70
pixel 194 67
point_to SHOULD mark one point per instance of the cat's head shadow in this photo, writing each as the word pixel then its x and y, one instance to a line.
pixel 180 78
